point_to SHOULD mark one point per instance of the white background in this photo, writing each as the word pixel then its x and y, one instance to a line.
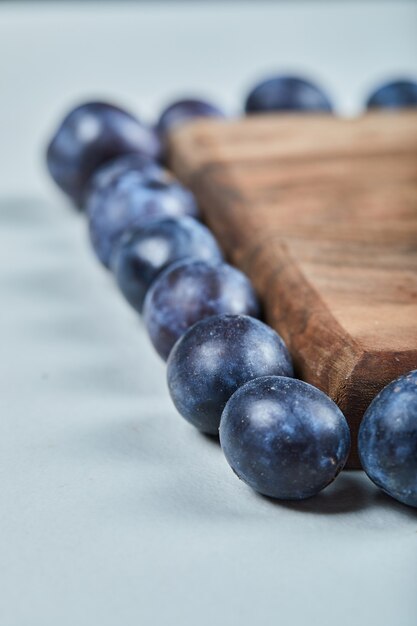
pixel 113 511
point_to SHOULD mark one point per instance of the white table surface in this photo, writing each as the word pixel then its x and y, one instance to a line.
pixel 113 511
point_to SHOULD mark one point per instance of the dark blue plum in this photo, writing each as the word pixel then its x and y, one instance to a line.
pixel 217 356
pixel 287 93
pixel 284 438
pixel 144 252
pixel 394 95
pixel 90 135
pixel 183 111
pixel 388 439
pixel 187 292
pixel 107 174
pixel 134 198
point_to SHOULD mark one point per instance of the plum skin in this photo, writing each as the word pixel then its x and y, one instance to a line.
pixel 287 93
pixel 108 173
pixel 393 95
pixel 182 111
pixel 144 252
pixel 90 135
pixel 133 198
pixel 283 437
pixel 214 358
pixel 189 291
pixel 387 440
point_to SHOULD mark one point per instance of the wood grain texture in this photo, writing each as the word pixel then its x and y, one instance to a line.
pixel 321 213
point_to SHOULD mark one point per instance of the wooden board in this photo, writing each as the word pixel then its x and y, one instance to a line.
pixel 321 213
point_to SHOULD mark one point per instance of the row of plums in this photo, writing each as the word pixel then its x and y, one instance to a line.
pixel 96 132
pixel 228 372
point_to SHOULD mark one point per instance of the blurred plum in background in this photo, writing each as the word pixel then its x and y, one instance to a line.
pixel 394 95
pixel 182 111
pixel 133 198
pixel 90 135
pixel 286 93
pixel 108 173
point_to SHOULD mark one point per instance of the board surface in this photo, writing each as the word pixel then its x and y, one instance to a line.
pixel 321 213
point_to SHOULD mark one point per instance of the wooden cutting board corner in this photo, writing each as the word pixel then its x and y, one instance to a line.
pixel 321 213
